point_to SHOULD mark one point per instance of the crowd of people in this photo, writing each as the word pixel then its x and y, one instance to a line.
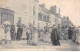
pixel 33 36
pixel 70 33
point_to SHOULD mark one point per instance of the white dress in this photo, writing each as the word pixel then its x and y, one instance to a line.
pixel 41 35
pixel 2 34
pixel 46 37
pixel 24 33
pixel 8 37
pixel 35 38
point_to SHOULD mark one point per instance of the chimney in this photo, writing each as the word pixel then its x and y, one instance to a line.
pixel 53 9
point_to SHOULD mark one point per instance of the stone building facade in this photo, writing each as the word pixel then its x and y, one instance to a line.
pixel 65 22
pixel 27 10
pixel 6 15
pixel 30 12
pixel 45 17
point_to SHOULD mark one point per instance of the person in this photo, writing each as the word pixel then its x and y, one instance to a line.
pixel 46 38
pixel 24 33
pixel 41 35
pixel 16 32
pixel 55 37
pixel 8 37
pixel 65 34
pixel 12 32
pixel 28 33
pixel 77 40
pixel 2 35
pixel 70 32
pixel 35 37
pixel 59 31
pixel 19 33
pixel 74 35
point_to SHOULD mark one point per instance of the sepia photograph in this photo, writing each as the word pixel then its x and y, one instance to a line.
pixel 39 25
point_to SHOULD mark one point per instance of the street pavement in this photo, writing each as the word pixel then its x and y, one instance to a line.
pixel 22 45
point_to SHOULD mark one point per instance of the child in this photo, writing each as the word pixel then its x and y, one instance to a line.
pixel 35 37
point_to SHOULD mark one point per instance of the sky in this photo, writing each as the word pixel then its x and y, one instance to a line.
pixel 69 8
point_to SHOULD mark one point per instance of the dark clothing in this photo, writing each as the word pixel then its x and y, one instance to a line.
pixel 28 35
pixel 70 32
pixel 55 42
pixel 31 33
pixel 19 33
pixel 12 32
pixel 55 37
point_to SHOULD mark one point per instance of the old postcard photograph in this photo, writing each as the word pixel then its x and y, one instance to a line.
pixel 39 25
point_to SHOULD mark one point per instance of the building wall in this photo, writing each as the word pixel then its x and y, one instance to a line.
pixel 23 9
pixel 44 12
pixel 59 21
pixel 6 15
pixel 65 22
pixel 52 19
pixel 53 9
pixel 42 22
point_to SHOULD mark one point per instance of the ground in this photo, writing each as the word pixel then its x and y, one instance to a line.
pixel 21 45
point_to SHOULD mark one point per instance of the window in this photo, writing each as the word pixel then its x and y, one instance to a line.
pixel 34 11
pixel 10 18
pixel 7 17
pixel 39 16
pixel 4 17
pixel 47 18
pixel 44 18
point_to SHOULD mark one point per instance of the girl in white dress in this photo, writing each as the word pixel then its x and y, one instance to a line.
pixel 24 34
pixel 8 37
pixel 35 37
pixel 2 34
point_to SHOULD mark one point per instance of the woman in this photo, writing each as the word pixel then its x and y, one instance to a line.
pixel 70 32
pixel 41 35
pixel 24 33
pixel 2 34
pixel 8 37
pixel 35 37
pixel 12 32
pixel 78 36
pixel 46 37
pixel 74 35
pixel 55 36
pixel 28 33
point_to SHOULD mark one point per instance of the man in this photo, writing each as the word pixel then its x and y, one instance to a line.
pixel 19 32
pixel 70 32
pixel 55 36
pixel 74 34
pixel 12 32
